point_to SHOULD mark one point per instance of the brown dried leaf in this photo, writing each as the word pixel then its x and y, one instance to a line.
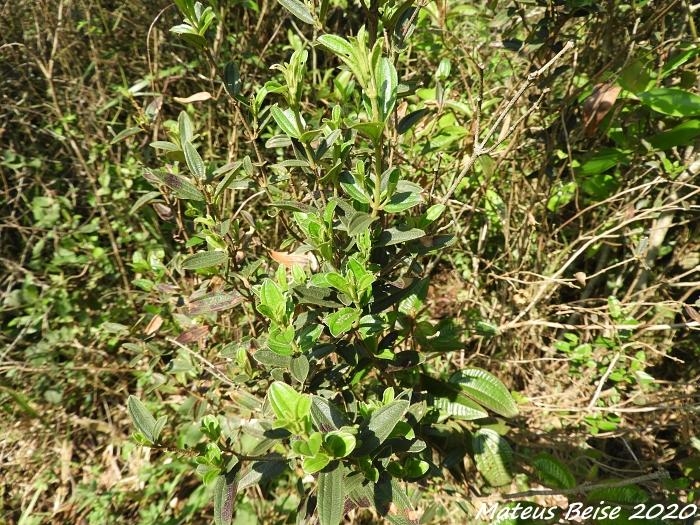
pixel 290 259
pixel 597 105
pixel 197 97
pixel 213 302
pixel 193 334
pixel 692 313
pixel 153 325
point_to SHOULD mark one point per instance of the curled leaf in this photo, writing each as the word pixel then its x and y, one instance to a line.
pixel 201 96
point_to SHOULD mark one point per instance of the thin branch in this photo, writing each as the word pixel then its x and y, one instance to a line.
pixel 587 487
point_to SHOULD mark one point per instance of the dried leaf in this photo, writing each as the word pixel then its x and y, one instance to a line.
pixel 597 105
pixel 164 212
pixel 154 325
pixel 214 302
pixel 193 334
pixel 290 259
pixel 197 97
pixel 692 313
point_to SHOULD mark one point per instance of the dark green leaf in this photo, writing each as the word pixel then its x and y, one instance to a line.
pixel 232 79
pixel 681 135
pixel 262 471
pixel 410 120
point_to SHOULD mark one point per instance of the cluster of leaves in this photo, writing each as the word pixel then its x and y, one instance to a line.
pixel 351 398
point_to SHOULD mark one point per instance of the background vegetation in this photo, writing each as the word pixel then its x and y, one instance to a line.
pixel 571 273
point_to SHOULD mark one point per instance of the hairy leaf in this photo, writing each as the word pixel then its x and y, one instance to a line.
pixel 331 496
pixel 487 390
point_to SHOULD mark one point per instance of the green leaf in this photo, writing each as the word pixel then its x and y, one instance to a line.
pixel 340 443
pixel 681 135
pixel 338 45
pixel 286 121
pixel 461 408
pixel 142 418
pixel 372 130
pixel 601 161
pixel 313 464
pixel 671 101
pixel 287 403
pixel 686 52
pixel 280 340
pixel 487 390
pixel 128 132
pixel 181 187
pixel 562 194
pixel 342 321
pixel 194 162
pixel 399 235
pixel 552 472
pixel 628 495
pixel 204 260
pixel 224 500
pixel 492 456
pixel 272 359
pixel 387 83
pixel 407 195
pixel 331 496
pixel 185 127
pixel 272 302
pixel 383 420
pixel 359 223
pixel 352 188
pixel 325 415
pixel 142 200
pixel 300 368
pixel 164 145
pixel 298 9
